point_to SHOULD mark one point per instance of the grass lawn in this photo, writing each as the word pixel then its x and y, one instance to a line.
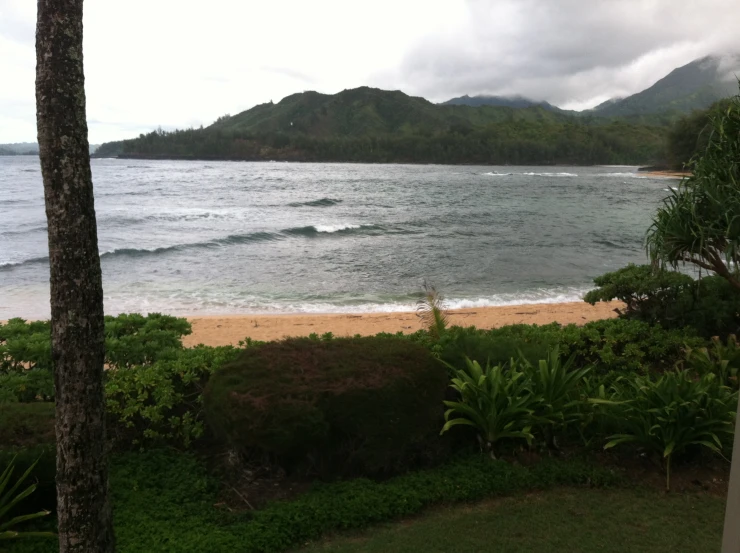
pixel 567 520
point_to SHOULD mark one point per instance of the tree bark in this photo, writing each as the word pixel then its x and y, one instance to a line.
pixel 77 326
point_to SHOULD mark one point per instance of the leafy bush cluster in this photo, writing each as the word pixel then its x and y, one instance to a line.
pixel 162 401
pixel 666 414
pixel 606 345
pixel 710 306
pixel 333 406
pixel 130 339
pixel 164 501
pixel 153 385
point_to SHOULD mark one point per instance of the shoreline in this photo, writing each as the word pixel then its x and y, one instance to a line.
pixel 222 330
pixel 666 174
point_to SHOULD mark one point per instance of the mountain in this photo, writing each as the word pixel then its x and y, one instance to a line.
pixel 501 101
pixel 20 148
pixel 28 149
pixel 371 125
pixel 696 85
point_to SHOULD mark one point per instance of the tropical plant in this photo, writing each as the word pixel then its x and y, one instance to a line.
pixel 667 414
pixel 498 402
pixel 431 310
pixel 699 222
pixel 556 384
pixel 10 498
pixel 719 359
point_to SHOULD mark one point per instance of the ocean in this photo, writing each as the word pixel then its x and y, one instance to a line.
pixel 194 237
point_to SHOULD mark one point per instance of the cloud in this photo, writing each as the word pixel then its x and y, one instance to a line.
pixel 176 63
pixel 567 51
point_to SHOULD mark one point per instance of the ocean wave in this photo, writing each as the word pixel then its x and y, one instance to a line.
pixel 322 202
pixel 550 174
pixel 264 305
pixel 232 239
pixel 623 174
pixel 495 174
pixel 24 231
pixel 31 261
pixel 312 230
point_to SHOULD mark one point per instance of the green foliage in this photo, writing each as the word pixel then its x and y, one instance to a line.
pixel 498 402
pixel 26 385
pixel 129 340
pixel 669 413
pixel 132 339
pixel 346 405
pixel 718 359
pixel 163 400
pixel 699 222
pixel 43 459
pixel 645 291
pixel 689 135
pixel 164 501
pixel 24 345
pixel 495 346
pixel 673 300
pixel 556 384
pixel 10 495
pixel 370 125
pixel 625 345
pixel 26 424
pixel 431 310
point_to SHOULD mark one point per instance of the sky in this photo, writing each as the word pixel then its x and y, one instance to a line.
pixel 182 63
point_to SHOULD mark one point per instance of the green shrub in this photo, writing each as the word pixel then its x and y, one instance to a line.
pixel 164 501
pixel 667 414
pixel 25 345
pixel 27 385
pixel 718 359
pixel 496 346
pixel 129 340
pixel 132 339
pixel 673 300
pixel 347 405
pixel 162 401
pixel 558 386
pixel 625 345
pixel 498 402
pixel 26 425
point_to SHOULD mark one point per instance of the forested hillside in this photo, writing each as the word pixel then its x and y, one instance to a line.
pixel 693 86
pixel 372 125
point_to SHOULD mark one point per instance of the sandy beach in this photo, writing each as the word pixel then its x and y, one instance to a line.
pixel 666 174
pixel 220 330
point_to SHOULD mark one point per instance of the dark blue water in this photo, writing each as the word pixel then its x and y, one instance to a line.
pixel 197 237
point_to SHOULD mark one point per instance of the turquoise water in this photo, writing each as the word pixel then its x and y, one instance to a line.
pixel 222 237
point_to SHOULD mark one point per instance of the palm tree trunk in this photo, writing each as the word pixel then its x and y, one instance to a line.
pixel 77 327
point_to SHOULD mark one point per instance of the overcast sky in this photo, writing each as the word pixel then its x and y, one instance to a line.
pixel 181 63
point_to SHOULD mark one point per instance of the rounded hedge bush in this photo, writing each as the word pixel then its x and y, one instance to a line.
pixel 334 407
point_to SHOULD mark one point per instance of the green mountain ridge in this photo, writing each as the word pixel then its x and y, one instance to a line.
pixel 371 125
pixel 695 85
pixel 501 101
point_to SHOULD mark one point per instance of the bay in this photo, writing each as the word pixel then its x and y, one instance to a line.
pixel 193 237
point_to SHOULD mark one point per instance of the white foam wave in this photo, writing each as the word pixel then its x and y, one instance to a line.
pixel 495 174
pixel 191 303
pixel 550 174
pixel 335 228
